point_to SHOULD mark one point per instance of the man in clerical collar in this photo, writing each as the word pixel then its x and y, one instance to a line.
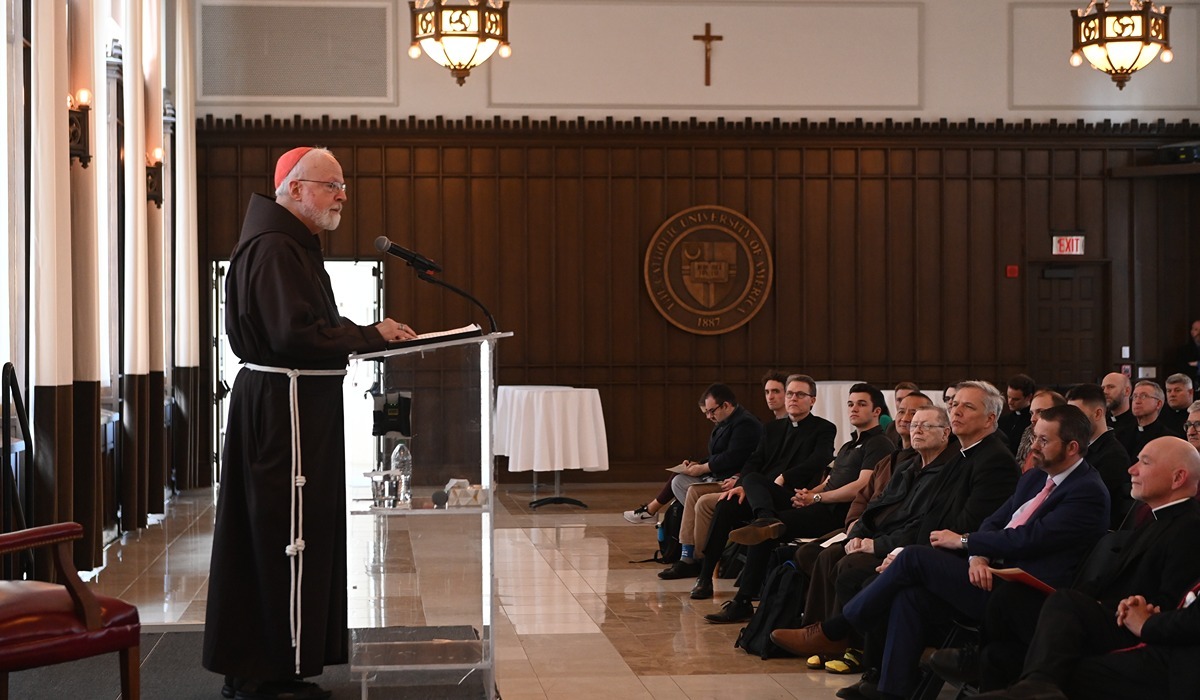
pixel 1146 407
pixel 1179 397
pixel 1117 392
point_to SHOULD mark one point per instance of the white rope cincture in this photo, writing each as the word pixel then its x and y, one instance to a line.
pixel 295 548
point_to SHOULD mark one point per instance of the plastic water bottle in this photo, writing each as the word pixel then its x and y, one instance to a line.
pixel 402 464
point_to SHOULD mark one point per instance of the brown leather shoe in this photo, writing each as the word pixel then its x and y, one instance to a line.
pixel 807 641
pixel 759 531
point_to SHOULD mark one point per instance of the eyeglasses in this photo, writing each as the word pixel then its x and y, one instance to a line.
pixel 1191 426
pixel 330 185
pixel 924 427
pixel 1145 397
pixel 710 412
pixel 1042 441
pixel 797 394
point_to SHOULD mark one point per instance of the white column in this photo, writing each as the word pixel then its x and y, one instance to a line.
pixel 188 324
pixel 135 297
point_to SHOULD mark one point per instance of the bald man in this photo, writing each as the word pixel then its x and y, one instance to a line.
pixel 281 513
pixel 1118 391
pixel 1158 562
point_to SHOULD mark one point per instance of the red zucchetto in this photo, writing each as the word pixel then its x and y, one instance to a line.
pixel 287 161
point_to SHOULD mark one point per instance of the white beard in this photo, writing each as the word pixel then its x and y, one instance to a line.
pixel 327 219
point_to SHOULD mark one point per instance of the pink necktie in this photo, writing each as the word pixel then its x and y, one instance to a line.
pixel 1023 517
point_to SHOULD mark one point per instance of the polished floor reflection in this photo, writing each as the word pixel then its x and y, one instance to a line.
pixel 577 616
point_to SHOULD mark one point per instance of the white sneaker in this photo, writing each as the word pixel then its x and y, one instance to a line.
pixel 640 515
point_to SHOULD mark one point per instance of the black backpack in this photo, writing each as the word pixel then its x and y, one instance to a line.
pixel 669 549
pixel 781 607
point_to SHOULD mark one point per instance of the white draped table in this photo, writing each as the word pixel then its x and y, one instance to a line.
pixel 550 429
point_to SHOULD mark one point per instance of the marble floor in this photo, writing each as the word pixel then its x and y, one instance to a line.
pixel 578 618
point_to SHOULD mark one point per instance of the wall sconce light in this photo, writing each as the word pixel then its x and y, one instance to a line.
pixel 154 178
pixel 78 107
pixel 459 37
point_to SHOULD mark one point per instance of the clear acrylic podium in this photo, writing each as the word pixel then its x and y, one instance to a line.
pixel 434 636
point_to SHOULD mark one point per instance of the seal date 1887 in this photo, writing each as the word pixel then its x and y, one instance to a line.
pixel 708 270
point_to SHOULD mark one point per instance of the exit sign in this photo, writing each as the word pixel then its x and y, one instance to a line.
pixel 1067 245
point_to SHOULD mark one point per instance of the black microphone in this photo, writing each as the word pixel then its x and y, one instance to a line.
pixel 414 259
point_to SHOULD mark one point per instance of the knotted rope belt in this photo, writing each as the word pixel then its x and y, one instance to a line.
pixel 295 548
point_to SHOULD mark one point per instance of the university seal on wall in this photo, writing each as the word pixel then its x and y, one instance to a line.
pixel 708 270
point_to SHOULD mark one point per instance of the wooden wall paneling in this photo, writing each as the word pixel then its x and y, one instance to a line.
pixel 874 318
pixel 569 270
pixel 820 295
pixel 889 241
pixel 1146 269
pixel 908 287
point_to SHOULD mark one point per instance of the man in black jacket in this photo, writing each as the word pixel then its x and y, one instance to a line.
pixel 734 436
pixel 1104 453
pixel 793 450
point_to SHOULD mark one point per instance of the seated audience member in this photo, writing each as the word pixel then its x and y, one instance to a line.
pixel 891 520
pixel 902 389
pixel 948 395
pixel 774 383
pixel 1158 563
pixel 794 450
pixel 1042 399
pixel 758 556
pixel 1055 516
pixel 1118 391
pixel 1192 426
pixel 734 436
pixel 1012 424
pixel 1105 453
pixel 1147 404
pixel 1179 397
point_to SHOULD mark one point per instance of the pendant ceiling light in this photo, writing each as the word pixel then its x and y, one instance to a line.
pixel 459 36
pixel 1120 42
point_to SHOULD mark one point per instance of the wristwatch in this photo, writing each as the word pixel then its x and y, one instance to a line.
pixel 816 498
pixel 964 540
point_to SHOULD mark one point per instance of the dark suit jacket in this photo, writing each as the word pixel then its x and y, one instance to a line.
pixel 1057 536
pixel 1138 436
pixel 1176 635
pixel 893 518
pixel 972 488
pixel 803 457
pixel 732 442
pixel 1112 461
pixel 1159 560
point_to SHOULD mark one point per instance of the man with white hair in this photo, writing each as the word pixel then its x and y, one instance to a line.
pixel 267 627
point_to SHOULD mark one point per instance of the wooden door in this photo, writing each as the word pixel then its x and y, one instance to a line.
pixel 1068 323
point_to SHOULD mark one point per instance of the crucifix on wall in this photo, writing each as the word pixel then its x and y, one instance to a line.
pixel 708 38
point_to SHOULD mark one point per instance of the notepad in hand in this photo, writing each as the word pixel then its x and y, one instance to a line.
pixel 1023 576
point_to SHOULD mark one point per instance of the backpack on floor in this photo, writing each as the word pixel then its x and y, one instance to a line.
pixel 732 561
pixel 669 548
pixel 781 607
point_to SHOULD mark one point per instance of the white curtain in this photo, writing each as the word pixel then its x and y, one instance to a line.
pixel 188 325
pixel 50 214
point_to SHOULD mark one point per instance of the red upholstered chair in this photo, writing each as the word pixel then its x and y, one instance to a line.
pixel 44 623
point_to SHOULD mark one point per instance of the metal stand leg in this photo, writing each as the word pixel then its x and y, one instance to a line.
pixel 557 498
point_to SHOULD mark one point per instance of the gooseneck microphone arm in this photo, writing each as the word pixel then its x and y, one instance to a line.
pixel 425 269
pixel 428 277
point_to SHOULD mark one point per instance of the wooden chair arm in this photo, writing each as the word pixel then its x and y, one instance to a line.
pixel 59 537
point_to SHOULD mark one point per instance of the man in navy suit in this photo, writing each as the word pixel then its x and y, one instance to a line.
pixel 1056 515
pixel 1109 638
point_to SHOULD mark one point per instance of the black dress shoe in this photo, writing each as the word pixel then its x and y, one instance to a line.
pixel 957 666
pixel 732 611
pixel 282 690
pixel 703 590
pixel 865 689
pixel 680 569
pixel 230 688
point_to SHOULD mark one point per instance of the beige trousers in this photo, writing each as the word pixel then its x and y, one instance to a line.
pixel 697 514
